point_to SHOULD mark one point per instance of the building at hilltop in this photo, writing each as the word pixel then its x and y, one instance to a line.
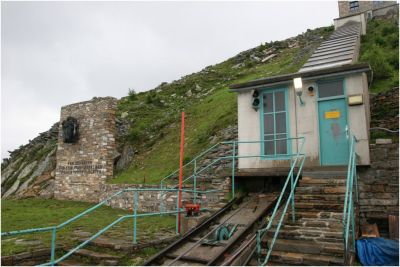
pixel 371 8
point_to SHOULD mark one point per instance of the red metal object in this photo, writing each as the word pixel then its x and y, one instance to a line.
pixel 192 209
pixel 181 170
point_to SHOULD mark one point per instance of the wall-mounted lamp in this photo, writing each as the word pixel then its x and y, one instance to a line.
pixel 256 100
pixel 298 87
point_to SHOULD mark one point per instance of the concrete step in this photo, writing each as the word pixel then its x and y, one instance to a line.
pixel 304 217
pixel 318 205
pixel 308 247
pixel 338 173
pixel 292 258
pixel 320 197
pixel 311 190
pixel 96 255
pixel 319 223
pixel 322 181
pixel 93 257
pixel 319 214
pixel 307 234
pixel 111 243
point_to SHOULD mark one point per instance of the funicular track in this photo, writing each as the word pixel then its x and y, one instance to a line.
pixel 198 246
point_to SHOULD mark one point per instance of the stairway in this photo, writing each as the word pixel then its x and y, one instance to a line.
pixel 90 257
pixel 316 236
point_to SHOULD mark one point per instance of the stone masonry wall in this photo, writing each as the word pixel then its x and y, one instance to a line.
pixel 385 109
pixel 150 201
pixel 83 167
pixel 379 186
pixel 344 6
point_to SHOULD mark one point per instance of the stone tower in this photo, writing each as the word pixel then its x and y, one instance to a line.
pixel 348 8
pixel 84 164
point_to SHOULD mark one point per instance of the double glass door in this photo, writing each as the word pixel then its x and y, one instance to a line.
pixel 275 122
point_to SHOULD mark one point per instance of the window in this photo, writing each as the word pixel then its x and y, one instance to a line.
pixel 354 5
pixel 275 122
pixel 377 3
pixel 329 89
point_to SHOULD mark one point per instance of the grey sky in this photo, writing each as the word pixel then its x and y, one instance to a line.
pixel 57 53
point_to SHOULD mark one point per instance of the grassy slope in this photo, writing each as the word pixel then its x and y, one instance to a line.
pixel 380 47
pixel 155 126
pixel 32 213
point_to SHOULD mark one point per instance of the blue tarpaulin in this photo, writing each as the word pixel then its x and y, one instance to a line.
pixel 378 251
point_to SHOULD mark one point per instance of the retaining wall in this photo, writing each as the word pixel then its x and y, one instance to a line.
pixel 379 186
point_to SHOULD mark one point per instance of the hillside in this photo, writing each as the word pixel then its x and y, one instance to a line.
pixel 380 48
pixel 148 122
pixel 153 117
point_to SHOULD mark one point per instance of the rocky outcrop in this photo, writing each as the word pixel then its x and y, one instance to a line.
pixel 385 109
pixel 29 171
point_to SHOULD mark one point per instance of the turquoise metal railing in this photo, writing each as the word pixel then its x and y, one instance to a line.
pixel 348 207
pixel 135 215
pixel 232 155
pixel 193 177
pixel 296 160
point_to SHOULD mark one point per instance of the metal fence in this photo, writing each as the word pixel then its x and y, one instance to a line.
pixel 199 167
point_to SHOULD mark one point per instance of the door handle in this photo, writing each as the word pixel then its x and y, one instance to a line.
pixel 347 131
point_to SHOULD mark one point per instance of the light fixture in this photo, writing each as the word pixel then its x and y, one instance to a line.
pixel 298 87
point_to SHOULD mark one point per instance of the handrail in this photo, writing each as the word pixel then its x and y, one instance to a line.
pixel 54 229
pixel 232 157
pixel 192 161
pixel 348 207
pixel 299 156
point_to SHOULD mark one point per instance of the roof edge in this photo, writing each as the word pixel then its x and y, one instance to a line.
pixel 279 79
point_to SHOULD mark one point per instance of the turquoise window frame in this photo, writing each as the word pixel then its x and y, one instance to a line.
pixel 288 142
pixel 322 81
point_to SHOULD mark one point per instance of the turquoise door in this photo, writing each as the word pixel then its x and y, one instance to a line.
pixel 333 131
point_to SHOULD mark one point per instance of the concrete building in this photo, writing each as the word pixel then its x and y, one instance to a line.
pixel 349 8
pixel 330 105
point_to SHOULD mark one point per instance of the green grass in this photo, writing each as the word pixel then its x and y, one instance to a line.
pixel 34 213
pixel 380 48
pixel 155 126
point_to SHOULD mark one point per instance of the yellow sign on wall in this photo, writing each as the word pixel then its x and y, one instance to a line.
pixel 332 114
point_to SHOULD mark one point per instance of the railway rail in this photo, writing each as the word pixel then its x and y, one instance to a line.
pixel 220 239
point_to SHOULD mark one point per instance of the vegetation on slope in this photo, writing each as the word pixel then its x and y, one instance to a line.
pixel 34 213
pixel 154 116
pixel 380 48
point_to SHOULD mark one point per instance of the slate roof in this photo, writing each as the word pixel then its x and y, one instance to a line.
pixel 311 74
pixel 341 48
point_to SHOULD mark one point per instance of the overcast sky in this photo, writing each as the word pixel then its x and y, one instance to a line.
pixel 58 53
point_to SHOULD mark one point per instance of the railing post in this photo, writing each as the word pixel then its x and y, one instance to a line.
pixel 233 168
pixel 161 197
pixel 353 232
pixel 292 191
pixel 349 170
pixel 135 206
pixel 195 181
pixel 53 245
pixel 355 177
pixel 177 213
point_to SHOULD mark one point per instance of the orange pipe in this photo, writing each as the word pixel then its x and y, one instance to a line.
pixel 181 169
